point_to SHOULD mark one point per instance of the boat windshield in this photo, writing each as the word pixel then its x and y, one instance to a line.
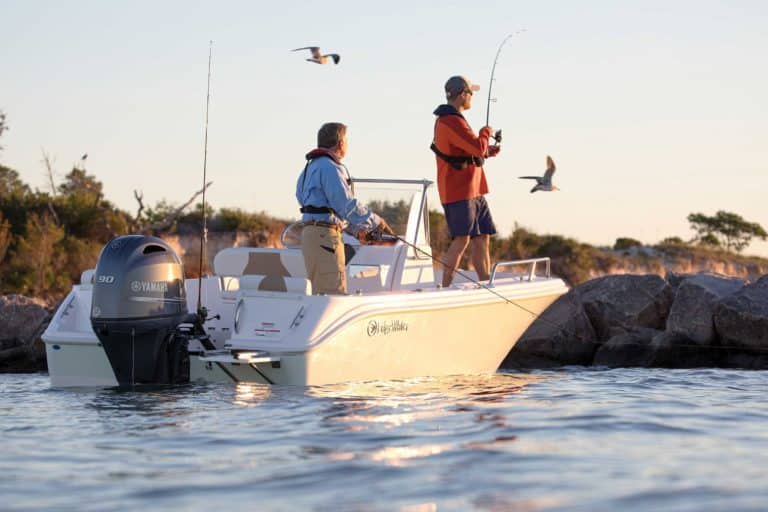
pixel 402 203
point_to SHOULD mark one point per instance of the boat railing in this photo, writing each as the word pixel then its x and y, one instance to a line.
pixel 530 273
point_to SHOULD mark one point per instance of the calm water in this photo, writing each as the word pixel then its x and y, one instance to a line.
pixel 567 440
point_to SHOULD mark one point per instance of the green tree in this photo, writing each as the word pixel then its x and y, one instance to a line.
pixel 5 237
pixel 672 240
pixel 83 211
pixel 729 230
pixel 625 243
pixel 36 261
pixel 3 125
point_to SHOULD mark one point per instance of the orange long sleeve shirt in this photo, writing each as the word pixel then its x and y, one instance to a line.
pixel 454 137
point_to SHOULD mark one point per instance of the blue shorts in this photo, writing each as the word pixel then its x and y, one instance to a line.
pixel 470 217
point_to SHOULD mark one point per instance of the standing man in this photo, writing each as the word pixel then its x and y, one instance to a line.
pixel 324 192
pixel 460 155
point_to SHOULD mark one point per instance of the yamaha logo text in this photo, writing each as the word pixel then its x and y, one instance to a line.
pixel 149 286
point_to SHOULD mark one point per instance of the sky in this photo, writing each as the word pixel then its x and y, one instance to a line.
pixel 651 109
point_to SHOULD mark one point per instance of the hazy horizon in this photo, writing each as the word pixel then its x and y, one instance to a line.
pixel 650 111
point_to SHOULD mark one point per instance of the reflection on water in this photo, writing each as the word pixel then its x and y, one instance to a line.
pixel 575 440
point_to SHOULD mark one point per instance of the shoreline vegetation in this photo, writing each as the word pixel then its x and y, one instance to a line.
pixel 48 238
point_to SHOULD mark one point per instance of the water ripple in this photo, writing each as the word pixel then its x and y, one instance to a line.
pixel 572 439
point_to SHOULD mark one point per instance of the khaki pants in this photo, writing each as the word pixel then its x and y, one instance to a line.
pixel 323 253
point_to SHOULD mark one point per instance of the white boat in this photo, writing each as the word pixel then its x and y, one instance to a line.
pixel 268 327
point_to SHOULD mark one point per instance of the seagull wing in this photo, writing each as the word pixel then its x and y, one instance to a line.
pixel 537 178
pixel 550 169
pixel 310 48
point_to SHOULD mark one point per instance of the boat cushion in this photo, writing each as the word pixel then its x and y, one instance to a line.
pixel 274 283
pixel 241 261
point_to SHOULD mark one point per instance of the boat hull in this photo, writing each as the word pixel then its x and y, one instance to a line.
pixel 398 344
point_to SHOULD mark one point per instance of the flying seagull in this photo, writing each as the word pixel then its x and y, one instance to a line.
pixel 543 183
pixel 317 58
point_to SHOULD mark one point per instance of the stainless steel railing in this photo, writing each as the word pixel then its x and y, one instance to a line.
pixel 530 273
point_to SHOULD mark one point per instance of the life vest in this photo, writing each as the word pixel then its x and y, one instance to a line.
pixel 311 157
pixel 457 162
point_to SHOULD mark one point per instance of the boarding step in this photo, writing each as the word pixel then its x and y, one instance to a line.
pixel 240 356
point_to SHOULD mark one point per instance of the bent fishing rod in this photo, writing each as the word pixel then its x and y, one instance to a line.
pixel 202 312
pixel 497 135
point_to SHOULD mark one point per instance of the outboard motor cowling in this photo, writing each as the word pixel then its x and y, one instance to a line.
pixel 138 302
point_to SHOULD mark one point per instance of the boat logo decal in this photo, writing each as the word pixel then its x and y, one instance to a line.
pixel 385 327
pixel 149 286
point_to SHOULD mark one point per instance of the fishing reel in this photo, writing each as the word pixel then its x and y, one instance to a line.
pixel 497 136
pixel 378 237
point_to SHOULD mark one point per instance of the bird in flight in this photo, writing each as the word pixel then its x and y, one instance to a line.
pixel 543 183
pixel 317 58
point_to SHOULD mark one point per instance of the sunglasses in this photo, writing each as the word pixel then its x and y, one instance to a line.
pixel 468 91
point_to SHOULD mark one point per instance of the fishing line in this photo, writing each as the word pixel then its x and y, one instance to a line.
pixel 560 327
pixel 462 274
pixel 490 82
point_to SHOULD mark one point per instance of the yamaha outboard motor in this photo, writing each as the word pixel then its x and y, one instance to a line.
pixel 138 302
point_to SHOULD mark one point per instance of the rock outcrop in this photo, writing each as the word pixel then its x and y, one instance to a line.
pixel 697 320
pixel 622 303
pixel 561 336
pixel 692 313
pixel 22 322
pixel 741 319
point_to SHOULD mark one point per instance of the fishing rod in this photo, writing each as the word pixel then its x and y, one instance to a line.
pixel 202 312
pixel 497 135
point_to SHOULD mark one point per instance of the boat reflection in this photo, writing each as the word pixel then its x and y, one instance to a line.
pixel 250 395
pixel 390 412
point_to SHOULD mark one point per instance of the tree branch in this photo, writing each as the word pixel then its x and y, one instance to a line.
pixel 139 197
pixel 170 219
pixel 48 163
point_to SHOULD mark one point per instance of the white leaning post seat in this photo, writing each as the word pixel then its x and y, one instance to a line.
pixel 86 279
pixel 275 283
pixel 243 261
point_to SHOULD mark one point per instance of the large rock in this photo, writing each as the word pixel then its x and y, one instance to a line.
pixel 619 304
pixel 741 319
pixel 561 336
pixel 675 279
pixel 674 350
pixel 632 348
pixel 693 309
pixel 22 322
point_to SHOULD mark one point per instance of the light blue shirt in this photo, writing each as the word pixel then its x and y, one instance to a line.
pixel 326 184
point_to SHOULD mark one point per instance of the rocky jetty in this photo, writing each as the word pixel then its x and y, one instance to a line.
pixel 683 321
pixel 22 322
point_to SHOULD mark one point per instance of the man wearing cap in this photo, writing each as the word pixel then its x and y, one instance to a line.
pixel 328 206
pixel 460 155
